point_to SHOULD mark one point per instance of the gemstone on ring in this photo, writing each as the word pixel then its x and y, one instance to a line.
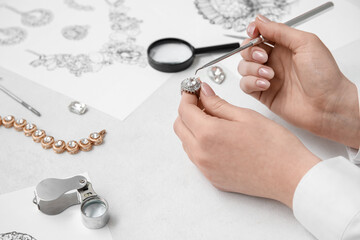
pixel 191 85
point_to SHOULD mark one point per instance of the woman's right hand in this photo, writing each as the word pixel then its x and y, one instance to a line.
pixel 300 81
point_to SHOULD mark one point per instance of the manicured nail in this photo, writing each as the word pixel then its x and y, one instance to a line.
pixel 251 29
pixel 207 90
pixel 263 18
pixel 260 56
pixel 262 84
pixel 265 72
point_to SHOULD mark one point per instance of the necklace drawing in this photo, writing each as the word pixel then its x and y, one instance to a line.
pixel 33 18
pixel 238 14
pixel 77 6
pixel 15 236
pixel 121 47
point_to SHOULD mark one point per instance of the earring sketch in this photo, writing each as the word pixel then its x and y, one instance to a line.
pixel 76 32
pixel 12 35
pixel 74 5
pixel 33 18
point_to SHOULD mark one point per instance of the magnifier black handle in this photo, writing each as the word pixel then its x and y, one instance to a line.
pixel 217 48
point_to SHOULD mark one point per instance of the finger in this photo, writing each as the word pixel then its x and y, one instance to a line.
pixel 188 141
pixel 246 68
pixel 257 54
pixel 280 33
pixel 217 106
pixel 183 132
pixel 252 84
pixel 191 115
pixel 252 30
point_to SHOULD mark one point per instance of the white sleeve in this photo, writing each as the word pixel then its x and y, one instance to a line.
pixel 327 200
pixel 354 154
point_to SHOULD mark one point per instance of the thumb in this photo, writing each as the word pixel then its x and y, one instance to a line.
pixel 216 106
pixel 280 33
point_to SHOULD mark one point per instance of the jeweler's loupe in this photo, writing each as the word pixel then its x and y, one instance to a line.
pixel 174 55
pixel 52 196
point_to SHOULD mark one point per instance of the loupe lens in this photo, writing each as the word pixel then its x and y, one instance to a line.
pixel 95 213
pixel 170 55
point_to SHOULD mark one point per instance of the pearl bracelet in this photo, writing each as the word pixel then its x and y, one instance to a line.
pixel 47 142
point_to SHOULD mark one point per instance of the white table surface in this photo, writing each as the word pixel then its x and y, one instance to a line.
pixel 153 189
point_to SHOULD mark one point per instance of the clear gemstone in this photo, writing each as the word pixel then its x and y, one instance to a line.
pixel 72 144
pixel 20 121
pixel 29 126
pixel 58 143
pixel 38 133
pixel 47 139
pixel 95 135
pixel 216 74
pixel 8 118
pixel 77 107
pixel 84 141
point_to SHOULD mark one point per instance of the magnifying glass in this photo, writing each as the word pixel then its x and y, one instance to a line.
pixel 174 55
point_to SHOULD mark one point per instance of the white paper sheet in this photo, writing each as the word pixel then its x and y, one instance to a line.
pixel 117 90
pixel 18 213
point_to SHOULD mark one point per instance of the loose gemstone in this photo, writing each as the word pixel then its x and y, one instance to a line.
pixel 77 107
pixel 84 141
pixel 72 144
pixel 58 143
pixel 216 74
pixel 95 135
pixel 47 139
pixel 38 133
pixel 8 118
pixel 29 126
pixel 20 121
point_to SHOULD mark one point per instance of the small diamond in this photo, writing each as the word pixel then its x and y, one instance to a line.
pixel 47 139
pixel 77 107
pixel 95 135
pixel 216 74
pixel 72 144
pixel 84 141
pixel 8 118
pixel 29 126
pixel 20 121
pixel 38 133
pixel 58 143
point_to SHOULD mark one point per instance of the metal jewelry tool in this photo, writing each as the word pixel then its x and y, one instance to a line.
pixel 13 96
pixel 53 196
pixel 295 21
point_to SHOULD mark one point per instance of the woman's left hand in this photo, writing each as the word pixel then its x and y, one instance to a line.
pixel 239 150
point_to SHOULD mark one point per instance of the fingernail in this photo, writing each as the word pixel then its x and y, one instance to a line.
pixel 265 72
pixel 207 90
pixel 262 18
pixel 259 56
pixel 262 84
pixel 251 29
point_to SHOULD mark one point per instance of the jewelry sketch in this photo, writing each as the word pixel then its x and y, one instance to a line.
pixel 76 32
pixel 77 6
pixel 121 47
pixel 238 14
pixel 33 18
pixel 12 36
pixel 15 236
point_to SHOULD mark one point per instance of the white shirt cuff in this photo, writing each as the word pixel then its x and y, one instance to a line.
pixel 327 199
pixel 354 155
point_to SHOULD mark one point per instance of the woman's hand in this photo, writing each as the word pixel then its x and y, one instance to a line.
pixel 299 80
pixel 239 150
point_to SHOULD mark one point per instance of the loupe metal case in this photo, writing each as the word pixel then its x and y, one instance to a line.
pixel 53 196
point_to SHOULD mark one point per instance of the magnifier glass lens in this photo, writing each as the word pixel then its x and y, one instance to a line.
pixel 171 53
pixel 94 208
